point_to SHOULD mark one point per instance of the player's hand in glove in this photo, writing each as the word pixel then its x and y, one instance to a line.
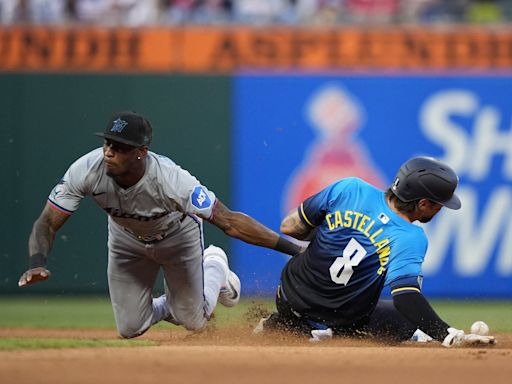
pixel 34 275
pixel 457 337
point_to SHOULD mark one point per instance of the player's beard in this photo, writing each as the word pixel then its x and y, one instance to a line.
pixel 116 168
pixel 425 219
pixel 125 173
pixel 114 172
pixel 115 175
pixel 110 172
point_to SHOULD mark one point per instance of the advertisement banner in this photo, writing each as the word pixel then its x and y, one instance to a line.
pixel 195 49
pixel 295 134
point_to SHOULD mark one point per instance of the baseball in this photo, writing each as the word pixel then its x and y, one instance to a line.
pixel 480 328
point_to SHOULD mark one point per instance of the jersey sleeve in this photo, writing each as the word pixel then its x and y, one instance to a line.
pixel 71 189
pixel 404 271
pixel 312 210
pixel 191 195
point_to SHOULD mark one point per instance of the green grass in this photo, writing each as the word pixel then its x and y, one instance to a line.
pixel 96 313
pixel 461 314
pixel 51 312
pixel 86 313
pixel 89 312
pixel 15 343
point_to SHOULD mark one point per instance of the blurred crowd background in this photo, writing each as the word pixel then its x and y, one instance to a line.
pixel 134 13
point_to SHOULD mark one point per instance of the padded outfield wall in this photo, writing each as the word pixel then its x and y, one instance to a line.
pixel 264 118
pixel 48 121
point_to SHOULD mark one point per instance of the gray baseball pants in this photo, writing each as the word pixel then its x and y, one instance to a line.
pixel 133 267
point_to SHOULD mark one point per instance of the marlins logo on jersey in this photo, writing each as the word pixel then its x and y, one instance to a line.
pixel 200 198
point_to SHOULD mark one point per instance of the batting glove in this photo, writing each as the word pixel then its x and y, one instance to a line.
pixel 457 338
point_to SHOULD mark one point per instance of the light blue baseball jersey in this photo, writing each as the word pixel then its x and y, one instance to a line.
pixel 360 245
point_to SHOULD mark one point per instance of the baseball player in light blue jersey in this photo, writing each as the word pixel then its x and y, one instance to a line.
pixel 362 239
pixel 155 222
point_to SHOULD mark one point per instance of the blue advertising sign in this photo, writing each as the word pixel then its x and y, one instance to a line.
pixel 295 134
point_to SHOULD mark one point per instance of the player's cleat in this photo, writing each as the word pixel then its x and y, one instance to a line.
pixel 421 337
pixel 229 295
pixel 318 335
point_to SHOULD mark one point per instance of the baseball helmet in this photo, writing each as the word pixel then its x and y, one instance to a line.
pixel 427 178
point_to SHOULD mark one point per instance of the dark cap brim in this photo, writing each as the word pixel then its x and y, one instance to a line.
pixel 117 139
pixel 453 203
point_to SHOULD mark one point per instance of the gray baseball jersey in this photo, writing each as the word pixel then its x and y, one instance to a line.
pixel 153 225
pixel 147 209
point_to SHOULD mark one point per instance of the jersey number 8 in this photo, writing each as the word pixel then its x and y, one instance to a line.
pixel 341 270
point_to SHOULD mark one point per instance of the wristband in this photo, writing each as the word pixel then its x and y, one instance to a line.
pixel 287 247
pixel 37 260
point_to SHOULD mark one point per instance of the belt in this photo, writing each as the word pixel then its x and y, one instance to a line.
pixel 151 239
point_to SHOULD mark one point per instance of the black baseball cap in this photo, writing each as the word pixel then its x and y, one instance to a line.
pixel 427 178
pixel 128 128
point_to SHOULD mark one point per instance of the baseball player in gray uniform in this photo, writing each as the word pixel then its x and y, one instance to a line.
pixel 155 221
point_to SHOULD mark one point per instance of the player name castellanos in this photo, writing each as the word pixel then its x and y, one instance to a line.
pixel 362 223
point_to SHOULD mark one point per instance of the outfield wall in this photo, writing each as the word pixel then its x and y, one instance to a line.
pixel 264 118
pixel 48 121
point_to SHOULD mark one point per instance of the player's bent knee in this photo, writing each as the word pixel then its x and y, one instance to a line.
pixel 195 327
pixel 194 324
pixel 131 335
pixel 127 332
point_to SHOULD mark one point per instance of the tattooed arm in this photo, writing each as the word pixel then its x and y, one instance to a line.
pixel 293 226
pixel 44 230
pixel 40 243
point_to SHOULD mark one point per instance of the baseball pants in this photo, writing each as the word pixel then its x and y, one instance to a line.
pixel 133 267
pixel 385 322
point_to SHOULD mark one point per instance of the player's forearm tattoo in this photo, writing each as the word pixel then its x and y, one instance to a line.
pixel 44 230
pixel 41 239
pixel 292 222
pixel 295 227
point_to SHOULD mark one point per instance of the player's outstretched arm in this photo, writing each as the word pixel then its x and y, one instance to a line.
pixel 40 243
pixel 245 228
pixel 415 307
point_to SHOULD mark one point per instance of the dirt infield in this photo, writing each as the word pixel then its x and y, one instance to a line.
pixel 234 355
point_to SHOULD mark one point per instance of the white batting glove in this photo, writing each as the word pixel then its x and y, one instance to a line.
pixel 457 338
